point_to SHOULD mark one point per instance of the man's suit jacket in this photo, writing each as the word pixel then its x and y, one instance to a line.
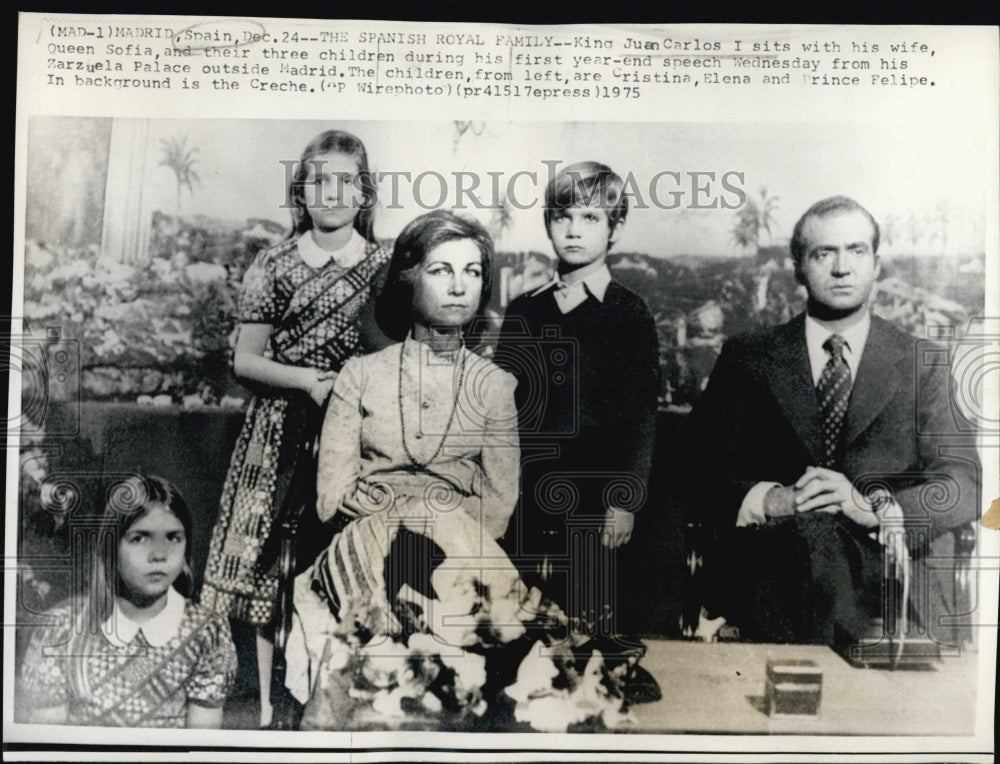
pixel 759 420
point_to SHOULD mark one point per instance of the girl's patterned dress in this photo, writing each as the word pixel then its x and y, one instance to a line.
pixel 109 678
pixel 315 314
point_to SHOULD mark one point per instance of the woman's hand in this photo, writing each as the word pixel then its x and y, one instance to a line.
pixel 368 498
pixel 321 386
pixel 349 506
pixel 255 370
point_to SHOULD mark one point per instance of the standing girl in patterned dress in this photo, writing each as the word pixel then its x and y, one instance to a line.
pixel 133 652
pixel 299 322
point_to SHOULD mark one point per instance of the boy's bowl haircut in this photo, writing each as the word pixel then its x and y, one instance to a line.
pixel 583 184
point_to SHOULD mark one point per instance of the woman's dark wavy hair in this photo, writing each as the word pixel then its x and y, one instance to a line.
pixel 394 306
pixel 129 500
pixel 300 192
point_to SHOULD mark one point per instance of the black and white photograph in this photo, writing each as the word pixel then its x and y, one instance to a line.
pixel 592 437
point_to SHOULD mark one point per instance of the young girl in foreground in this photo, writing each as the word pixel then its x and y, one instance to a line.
pixel 299 322
pixel 134 652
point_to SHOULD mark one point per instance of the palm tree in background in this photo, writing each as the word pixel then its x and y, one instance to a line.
pixel 755 216
pixel 941 217
pixel 501 220
pixel 179 158
pixel 915 226
pixel 462 127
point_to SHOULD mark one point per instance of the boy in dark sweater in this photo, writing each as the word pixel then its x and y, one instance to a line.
pixel 584 350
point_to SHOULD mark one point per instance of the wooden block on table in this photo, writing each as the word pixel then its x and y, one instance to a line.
pixel 793 688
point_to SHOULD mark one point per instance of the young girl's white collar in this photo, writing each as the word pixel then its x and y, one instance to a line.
pixel 347 256
pixel 158 630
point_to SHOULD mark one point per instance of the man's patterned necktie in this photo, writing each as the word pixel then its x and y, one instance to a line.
pixel 834 390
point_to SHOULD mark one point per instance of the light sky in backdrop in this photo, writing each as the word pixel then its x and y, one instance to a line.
pixel 920 174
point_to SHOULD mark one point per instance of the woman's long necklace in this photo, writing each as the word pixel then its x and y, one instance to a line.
pixel 451 417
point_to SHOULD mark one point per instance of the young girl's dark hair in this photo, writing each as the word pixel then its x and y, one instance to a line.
pixel 128 501
pixel 300 193
pixel 394 306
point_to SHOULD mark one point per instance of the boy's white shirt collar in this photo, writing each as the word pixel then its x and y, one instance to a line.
pixel 569 296
pixel 347 256
pixel 856 336
pixel 120 630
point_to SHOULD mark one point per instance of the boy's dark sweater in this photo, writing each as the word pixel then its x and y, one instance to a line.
pixel 587 385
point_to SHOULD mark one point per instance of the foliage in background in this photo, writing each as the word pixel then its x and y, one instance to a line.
pixel 160 329
pixel 698 302
pixel 166 328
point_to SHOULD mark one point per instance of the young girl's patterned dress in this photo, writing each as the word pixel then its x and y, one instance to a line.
pixel 119 677
pixel 314 313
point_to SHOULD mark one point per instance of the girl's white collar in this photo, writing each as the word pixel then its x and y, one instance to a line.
pixel 347 256
pixel 158 630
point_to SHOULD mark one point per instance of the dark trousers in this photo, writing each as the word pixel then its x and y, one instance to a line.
pixel 795 579
pixel 565 558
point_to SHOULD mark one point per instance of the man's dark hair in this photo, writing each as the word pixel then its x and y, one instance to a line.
pixel 822 208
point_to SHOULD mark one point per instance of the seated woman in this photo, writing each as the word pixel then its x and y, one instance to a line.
pixel 429 415
pixel 419 464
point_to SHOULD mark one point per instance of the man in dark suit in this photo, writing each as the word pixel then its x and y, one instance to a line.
pixel 818 441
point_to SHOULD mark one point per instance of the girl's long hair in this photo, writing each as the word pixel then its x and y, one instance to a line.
pixel 128 501
pixel 299 188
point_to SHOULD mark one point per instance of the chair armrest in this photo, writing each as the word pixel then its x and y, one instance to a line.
pixel 965 538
